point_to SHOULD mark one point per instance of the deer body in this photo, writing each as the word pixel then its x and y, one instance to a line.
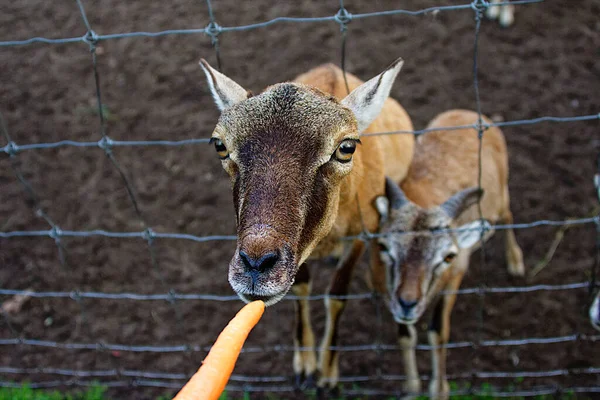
pixel 302 179
pixel 595 312
pixel 439 193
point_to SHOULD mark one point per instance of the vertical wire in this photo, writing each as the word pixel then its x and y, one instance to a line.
pixel 342 18
pixel 213 31
pixel 478 8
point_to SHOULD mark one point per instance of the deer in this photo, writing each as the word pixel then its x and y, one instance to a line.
pixel 504 14
pixel 595 312
pixel 304 175
pixel 595 307
pixel 429 229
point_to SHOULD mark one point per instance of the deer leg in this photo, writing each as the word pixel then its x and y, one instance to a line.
pixel 305 360
pixel 439 330
pixel 328 359
pixel 493 12
pixel 507 16
pixel 407 339
pixel 514 255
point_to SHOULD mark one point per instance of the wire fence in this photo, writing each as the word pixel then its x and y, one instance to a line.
pixel 128 378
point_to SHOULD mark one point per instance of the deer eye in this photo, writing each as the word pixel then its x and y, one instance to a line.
pixel 345 150
pixel 449 258
pixel 220 148
pixel 383 248
pixel 385 255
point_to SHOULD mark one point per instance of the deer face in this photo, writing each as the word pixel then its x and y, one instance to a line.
pixel 288 152
pixel 595 312
pixel 416 250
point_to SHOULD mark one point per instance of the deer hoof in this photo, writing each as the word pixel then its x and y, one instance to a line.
pixel 304 382
pixel 328 392
pixel 411 389
pixel 506 19
pixel 298 380
pixel 439 390
pixel 492 12
pixel 310 382
pixel 517 269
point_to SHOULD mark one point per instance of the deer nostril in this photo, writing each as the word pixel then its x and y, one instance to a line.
pixel 262 264
pixel 406 305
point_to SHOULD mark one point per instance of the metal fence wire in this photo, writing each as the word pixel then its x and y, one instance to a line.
pixel 126 378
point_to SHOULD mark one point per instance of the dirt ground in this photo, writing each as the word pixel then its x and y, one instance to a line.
pixel 546 64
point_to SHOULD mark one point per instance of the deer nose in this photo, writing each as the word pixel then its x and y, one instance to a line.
pixel 407 306
pixel 260 264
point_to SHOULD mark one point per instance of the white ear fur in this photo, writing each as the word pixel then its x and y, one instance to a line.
pixel 224 90
pixel 382 205
pixel 470 233
pixel 366 101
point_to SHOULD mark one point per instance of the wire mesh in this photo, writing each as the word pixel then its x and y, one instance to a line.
pixel 276 383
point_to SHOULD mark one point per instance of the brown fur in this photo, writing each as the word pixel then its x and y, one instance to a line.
pixel 292 199
pixel 445 165
pixel 446 162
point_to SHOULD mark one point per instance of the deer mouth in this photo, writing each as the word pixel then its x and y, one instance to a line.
pixel 404 320
pixel 405 317
pixel 269 281
pixel 268 300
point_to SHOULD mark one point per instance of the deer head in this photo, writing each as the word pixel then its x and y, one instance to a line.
pixel 417 248
pixel 289 152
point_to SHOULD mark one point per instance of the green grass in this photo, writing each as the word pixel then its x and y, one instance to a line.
pixel 26 393
pixel 98 393
pixel 245 396
pixel 485 391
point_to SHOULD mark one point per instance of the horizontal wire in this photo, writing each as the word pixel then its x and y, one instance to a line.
pixel 274 379
pixel 289 348
pixel 536 391
pixel 76 295
pixel 100 232
pixel 56 232
pixel 111 143
pixel 14 148
pixel 215 29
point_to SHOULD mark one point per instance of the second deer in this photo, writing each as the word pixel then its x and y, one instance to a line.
pixel 420 257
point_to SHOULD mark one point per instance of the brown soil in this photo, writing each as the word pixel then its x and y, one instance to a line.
pixel 546 64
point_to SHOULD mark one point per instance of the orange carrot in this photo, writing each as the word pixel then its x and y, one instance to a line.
pixel 210 380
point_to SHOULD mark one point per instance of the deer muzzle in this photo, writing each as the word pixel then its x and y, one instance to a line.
pixel 406 302
pixel 263 266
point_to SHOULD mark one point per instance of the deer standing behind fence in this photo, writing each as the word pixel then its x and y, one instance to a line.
pixel 595 312
pixel 303 179
pixel 439 193
pixel 505 14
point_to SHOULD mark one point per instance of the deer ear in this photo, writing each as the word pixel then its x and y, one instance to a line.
pixel 224 90
pixel 366 101
pixel 382 204
pixel 470 233
pixel 462 200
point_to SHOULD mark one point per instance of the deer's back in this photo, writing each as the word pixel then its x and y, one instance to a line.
pixel 446 162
